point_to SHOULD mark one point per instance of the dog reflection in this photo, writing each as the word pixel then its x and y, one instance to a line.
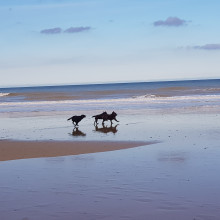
pixel 106 129
pixel 76 132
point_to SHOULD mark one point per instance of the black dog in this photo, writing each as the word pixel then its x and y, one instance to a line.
pixel 110 117
pixel 76 119
pixel 100 116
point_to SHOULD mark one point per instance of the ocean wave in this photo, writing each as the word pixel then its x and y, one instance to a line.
pixel 4 94
pixel 137 99
pixel 147 96
pixel 174 88
pixel 147 102
pixel 211 89
pixel 176 98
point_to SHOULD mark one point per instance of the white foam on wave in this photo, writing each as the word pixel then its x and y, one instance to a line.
pixel 133 100
pixel 147 96
pixel 176 98
pixel 3 94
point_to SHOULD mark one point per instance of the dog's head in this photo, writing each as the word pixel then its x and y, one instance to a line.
pixel 114 113
pixel 83 116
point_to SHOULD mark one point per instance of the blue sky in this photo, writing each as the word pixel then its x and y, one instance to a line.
pixel 46 42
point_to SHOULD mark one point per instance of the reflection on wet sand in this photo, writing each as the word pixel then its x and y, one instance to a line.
pixel 178 157
pixel 76 132
pixel 105 129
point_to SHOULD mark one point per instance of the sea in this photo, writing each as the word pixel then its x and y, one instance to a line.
pixel 151 96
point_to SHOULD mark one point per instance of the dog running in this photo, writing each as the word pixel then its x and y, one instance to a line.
pixel 76 119
pixel 100 116
pixel 110 117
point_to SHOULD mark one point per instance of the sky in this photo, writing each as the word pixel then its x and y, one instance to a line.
pixel 52 42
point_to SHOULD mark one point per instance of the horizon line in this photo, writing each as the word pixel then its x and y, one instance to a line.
pixel 106 83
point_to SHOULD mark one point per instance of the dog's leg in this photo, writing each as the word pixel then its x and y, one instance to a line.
pixel 95 122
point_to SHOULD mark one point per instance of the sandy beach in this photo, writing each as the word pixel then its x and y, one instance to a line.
pixel 14 150
pixel 173 178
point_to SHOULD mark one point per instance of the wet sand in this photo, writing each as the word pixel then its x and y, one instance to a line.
pixel 176 178
pixel 13 150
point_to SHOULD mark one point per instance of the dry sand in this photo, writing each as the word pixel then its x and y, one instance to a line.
pixel 13 150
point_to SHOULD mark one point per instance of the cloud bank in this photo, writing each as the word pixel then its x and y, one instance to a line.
pixel 208 47
pixel 70 30
pixel 77 29
pixel 170 21
pixel 56 30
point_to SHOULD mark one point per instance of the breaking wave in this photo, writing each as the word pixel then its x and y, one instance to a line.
pixel 4 94
pixel 135 99
pixel 177 98
pixel 138 102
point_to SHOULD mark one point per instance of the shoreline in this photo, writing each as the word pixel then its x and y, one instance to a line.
pixel 15 149
pixel 153 111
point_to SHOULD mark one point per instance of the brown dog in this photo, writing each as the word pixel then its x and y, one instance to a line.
pixel 110 117
pixel 100 116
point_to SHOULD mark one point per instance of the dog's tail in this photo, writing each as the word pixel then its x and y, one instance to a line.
pixel 93 116
pixel 69 119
